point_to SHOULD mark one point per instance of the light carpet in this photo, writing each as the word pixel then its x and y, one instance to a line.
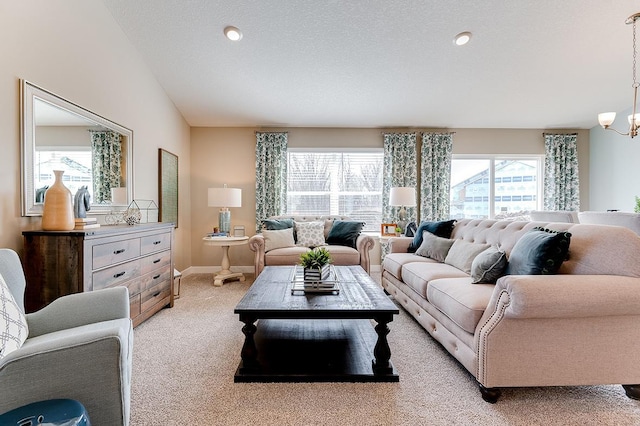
pixel 185 357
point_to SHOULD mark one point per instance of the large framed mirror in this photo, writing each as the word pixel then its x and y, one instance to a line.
pixel 91 150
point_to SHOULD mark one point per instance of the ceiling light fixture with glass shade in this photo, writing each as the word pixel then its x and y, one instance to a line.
pixel 232 33
pixel 606 118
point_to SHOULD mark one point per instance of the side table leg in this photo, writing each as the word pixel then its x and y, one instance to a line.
pixel 382 351
pixel 249 352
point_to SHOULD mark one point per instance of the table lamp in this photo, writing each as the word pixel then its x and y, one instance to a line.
pixel 402 196
pixel 225 198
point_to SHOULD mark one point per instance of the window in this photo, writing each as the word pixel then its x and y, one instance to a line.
pixel 76 163
pixel 515 186
pixel 347 183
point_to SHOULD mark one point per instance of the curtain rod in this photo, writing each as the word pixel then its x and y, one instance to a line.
pixel 566 134
pixel 258 131
pixel 384 133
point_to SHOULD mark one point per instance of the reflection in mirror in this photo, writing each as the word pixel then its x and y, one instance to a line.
pixel 59 135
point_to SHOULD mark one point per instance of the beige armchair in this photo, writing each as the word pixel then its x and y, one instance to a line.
pixel 564 216
pixel 625 219
pixel 340 255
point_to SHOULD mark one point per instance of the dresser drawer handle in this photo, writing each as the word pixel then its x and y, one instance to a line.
pixel 156 261
pixel 119 251
pixel 157 276
pixel 156 294
pixel 157 242
pixel 119 274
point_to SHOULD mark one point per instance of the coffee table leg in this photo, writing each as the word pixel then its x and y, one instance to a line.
pixel 382 351
pixel 249 353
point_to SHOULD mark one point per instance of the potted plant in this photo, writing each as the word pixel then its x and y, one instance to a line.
pixel 315 264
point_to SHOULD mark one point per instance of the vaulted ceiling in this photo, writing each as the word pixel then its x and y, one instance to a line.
pixel 387 63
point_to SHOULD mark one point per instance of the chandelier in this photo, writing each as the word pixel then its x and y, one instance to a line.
pixel 606 118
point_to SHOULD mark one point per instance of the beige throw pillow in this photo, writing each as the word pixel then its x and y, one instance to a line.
pixel 462 254
pixel 274 239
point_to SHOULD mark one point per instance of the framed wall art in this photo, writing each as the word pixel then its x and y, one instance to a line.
pixel 168 186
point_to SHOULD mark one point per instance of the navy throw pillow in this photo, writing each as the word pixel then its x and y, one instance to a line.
pixel 539 252
pixel 442 229
pixel 344 233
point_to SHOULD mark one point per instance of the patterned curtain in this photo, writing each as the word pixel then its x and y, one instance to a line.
pixel 400 169
pixel 106 153
pixel 561 189
pixel 436 176
pixel 271 175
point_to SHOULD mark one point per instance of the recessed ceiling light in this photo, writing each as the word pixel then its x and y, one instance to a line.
pixel 232 33
pixel 462 38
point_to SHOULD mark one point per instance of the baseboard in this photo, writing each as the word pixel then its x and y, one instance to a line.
pixel 215 269
pixel 244 269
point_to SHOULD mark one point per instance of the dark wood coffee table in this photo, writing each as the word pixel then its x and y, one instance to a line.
pixel 304 337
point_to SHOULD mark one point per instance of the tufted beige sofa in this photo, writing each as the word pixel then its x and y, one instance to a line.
pixel 340 255
pixel 579 327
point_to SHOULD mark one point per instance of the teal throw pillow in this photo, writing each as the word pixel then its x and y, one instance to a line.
pixel 276 224
pixel 442 229
pixel 539 252
pixel 345 233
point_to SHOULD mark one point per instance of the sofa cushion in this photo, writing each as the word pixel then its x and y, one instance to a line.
pixel 488 266
pixel 462 253
pixel 418 275
pixel 343 255
pixel 345 233
pixel 310 234
pixel 275 224
pixel 434 247
pixel 278 239
pixel 462 302
pixel 393 262
pixel 284 256
pixel 539 252
pixel 441 229
pixel 13 323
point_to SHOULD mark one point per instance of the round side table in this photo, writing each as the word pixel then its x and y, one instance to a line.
pixel 225 243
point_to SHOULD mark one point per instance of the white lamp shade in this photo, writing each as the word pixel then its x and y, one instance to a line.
pixel 119 197
pixel 606 118
pixel 402 196
pixel 225 197
pixel 630 118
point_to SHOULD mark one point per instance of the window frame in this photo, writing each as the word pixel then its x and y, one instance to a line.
pixel 340 150
pixel 493 158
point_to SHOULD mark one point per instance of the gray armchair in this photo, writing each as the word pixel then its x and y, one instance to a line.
pixel 79 347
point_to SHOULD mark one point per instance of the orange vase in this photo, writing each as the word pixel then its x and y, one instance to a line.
pixel 57 212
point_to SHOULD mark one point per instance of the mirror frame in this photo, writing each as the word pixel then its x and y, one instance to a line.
pixel 30 92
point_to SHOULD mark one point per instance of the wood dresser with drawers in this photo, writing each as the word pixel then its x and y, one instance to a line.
pixel 140 257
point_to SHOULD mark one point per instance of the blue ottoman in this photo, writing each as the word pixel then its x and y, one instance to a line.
pixel 54 412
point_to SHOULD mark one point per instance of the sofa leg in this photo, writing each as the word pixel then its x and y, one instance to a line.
pixel 632 391
pixel 490 395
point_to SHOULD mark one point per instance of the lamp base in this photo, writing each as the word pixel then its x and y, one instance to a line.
pixel 224 220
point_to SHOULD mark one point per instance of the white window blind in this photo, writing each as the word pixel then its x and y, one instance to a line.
pixel 347 183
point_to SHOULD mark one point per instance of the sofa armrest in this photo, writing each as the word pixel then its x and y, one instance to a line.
pixel 256 244
pixel 80 309
pixel 567 296
pixel 364 244
pixel 399 244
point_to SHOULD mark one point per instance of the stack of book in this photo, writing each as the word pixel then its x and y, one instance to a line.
pixel 83 223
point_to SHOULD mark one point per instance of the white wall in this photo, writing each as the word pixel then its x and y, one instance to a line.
pixel 75 49
pixel 614 178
